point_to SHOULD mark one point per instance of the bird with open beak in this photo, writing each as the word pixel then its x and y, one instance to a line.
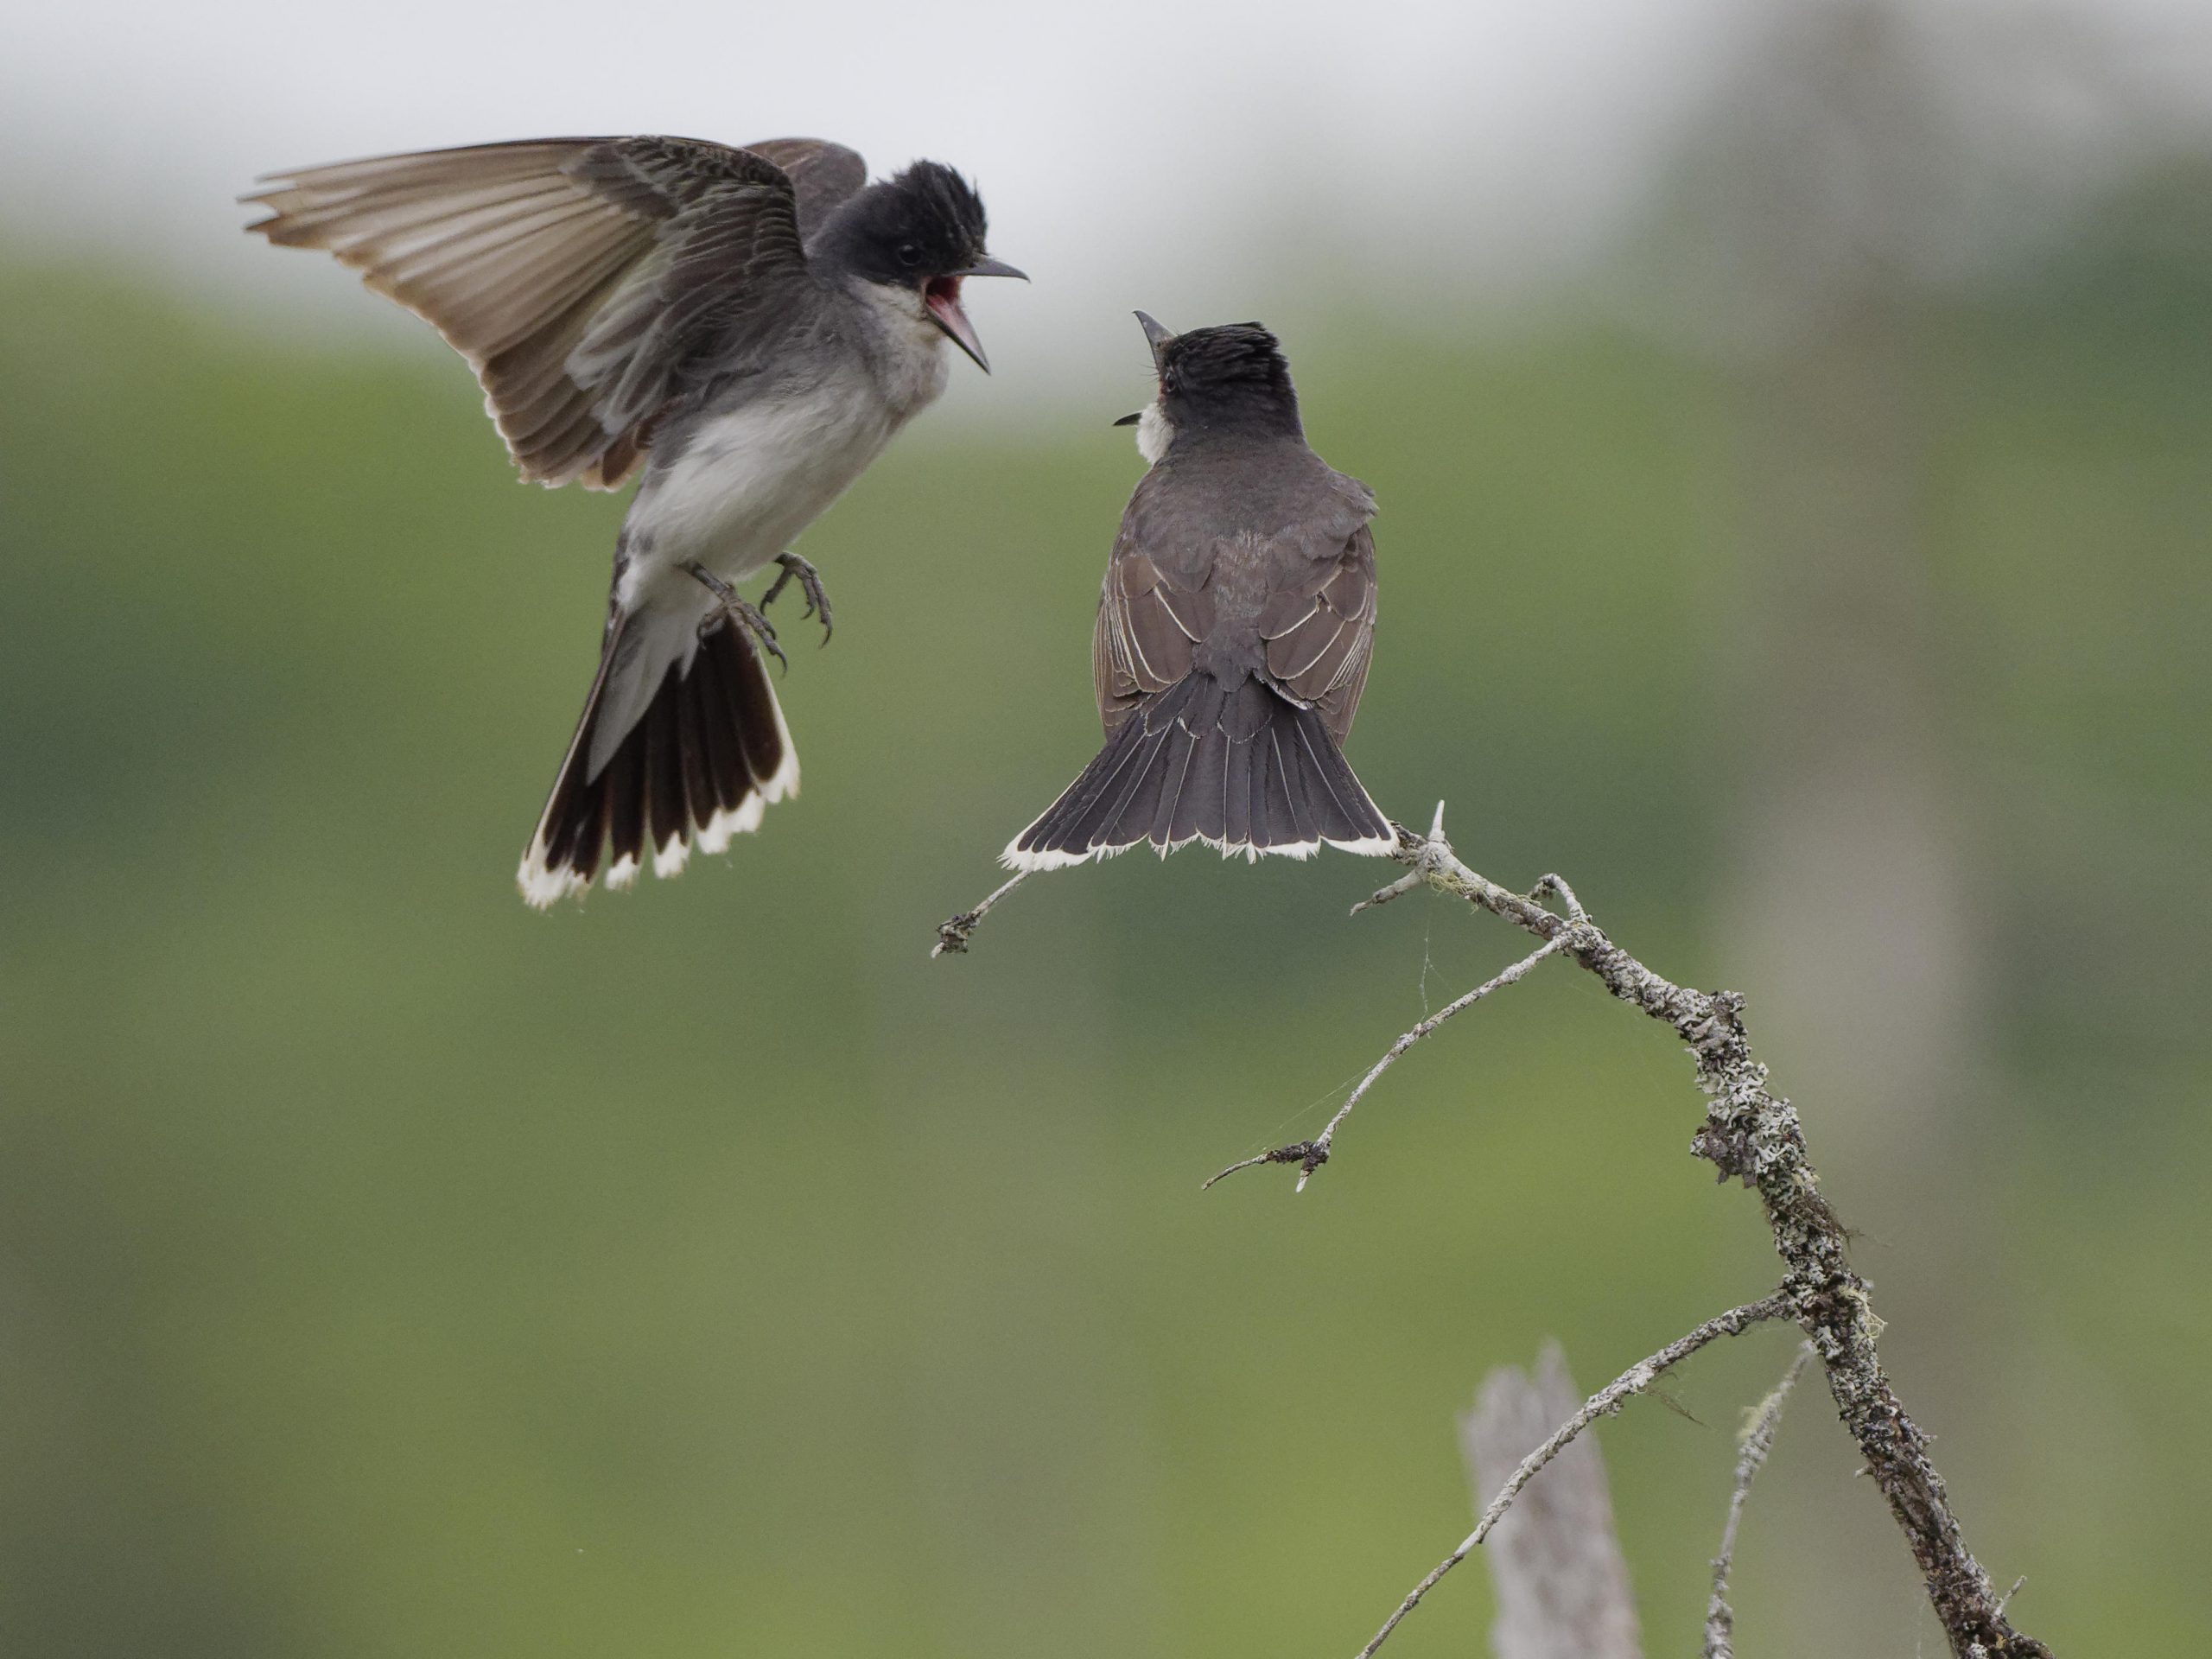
pixel 750 327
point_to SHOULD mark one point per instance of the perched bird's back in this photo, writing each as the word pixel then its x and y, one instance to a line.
pixel 1235 628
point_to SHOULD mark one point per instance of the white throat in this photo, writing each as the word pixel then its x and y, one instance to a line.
pixel 904 346
pixel 1154 433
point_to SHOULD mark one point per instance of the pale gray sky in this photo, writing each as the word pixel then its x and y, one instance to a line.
pixel 1195 159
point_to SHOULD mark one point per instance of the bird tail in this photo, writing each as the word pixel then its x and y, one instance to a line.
pixel 1245 770
pixel 704 753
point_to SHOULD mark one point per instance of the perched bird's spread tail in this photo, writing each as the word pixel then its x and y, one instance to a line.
pixel 1245 770
pixel 703 761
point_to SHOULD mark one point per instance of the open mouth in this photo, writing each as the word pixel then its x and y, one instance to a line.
pixel 941 295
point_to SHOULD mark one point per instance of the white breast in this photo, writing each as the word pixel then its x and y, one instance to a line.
pixel 750 480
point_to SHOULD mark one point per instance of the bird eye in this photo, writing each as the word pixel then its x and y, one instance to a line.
pixel 909 253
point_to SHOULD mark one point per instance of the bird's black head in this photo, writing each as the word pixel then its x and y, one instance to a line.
pixel 922 229
pixel 1232 377
pixel 927 222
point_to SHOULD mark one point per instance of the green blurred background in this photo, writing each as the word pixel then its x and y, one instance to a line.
pixel 390 1270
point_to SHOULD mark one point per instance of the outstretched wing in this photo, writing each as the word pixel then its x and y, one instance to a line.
pixel 584 279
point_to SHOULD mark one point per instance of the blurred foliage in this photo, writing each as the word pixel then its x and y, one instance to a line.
pixel 391 1270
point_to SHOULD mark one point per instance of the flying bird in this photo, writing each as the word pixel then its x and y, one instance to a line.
pixel 1235 627
pixel 749 327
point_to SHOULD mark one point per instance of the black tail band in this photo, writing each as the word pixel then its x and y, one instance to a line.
pixel 707 757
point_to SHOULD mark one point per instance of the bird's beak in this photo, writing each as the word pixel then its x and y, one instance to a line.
pixel 1130 420
pixel 941 296
pixel 1156 334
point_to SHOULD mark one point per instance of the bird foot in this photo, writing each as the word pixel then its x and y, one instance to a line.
pixel 736 606
pixel 809 583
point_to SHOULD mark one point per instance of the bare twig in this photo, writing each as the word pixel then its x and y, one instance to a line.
pixel 1296 1152
pixel 1554 1559
pixel 1504 977
pixel 1757 1441
pixel 1310 1155
pixel 952 933
pixel 1607 1401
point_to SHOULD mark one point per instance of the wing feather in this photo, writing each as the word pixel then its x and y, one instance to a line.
pixel 1146 630
pixel 822 175
pixel 1191 580
pixel 585 280
pixel 1320 633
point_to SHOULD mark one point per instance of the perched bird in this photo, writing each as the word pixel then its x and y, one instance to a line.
pixel 751 326
pixel 1235 627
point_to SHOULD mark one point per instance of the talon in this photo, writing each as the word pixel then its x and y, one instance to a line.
pixel 737 608
pixel 809 583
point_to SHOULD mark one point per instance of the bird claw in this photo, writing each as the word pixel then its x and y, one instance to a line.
pixel 809 583
pixel 735 607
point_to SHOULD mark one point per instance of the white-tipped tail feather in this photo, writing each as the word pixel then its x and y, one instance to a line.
pixel 1246 772
pixel 706 757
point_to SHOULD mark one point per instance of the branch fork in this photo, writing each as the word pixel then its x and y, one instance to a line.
pixel 1606 1402
pixel 1749 1133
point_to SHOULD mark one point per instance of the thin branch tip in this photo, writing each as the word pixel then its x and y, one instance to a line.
pixel 1756 1440
pixel 954 932
pixel 1383 895
pixel 1309 1155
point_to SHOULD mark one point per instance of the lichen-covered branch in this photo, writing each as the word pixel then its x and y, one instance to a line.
pixel 1757 1441
pixel 1753 1135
